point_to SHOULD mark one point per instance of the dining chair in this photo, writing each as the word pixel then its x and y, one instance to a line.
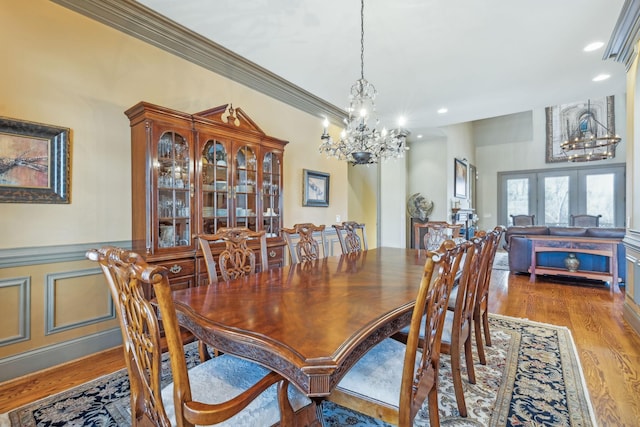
pixel 225 390
pixel 306 248
pixel 455 228
pixel 480 310
pixel 458 325
pixel 392 380
pixel 523 219
pixel 584 220
pixel 348 236
pixel 237 259
pixel 422 236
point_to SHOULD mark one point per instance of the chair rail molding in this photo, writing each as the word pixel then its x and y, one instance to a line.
pixel 16 257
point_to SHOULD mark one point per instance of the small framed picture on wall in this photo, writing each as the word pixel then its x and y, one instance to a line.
pixel 460 179
pixel 315 188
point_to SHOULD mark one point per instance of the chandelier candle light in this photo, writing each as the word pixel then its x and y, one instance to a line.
pixel 591 140
pixel 359 143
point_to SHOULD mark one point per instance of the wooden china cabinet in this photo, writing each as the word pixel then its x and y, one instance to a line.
pixel 195 173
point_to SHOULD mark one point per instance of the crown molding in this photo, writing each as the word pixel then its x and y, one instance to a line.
pixel 143 23
pixel 621 46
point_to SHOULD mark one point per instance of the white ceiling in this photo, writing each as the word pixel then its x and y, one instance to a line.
pixel 478 58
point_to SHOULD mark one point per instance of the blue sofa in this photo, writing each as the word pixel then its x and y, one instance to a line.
pixel 518 246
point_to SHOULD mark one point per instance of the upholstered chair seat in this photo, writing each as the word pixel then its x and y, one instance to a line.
pixel 223 391
pixel 378 374
pixel 229 376
pixel 393 380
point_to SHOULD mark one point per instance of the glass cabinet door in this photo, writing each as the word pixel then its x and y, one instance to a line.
pixel 215 187
pixel 246 197
pixel 173 225
pixel 271 185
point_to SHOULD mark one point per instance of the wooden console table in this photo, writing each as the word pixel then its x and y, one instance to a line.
pixel 584 245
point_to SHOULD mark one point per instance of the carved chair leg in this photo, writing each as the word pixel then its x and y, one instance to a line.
pixel 287 417
pixel 468 352
pixel 434 415
pixel 485 321
pixel 457 379
pixel 203 351
pixel 477 328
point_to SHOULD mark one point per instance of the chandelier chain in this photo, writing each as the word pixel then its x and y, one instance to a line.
pixel 362 39
pixel 364 141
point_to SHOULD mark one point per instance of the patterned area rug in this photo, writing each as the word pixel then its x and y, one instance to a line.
pixel 533 378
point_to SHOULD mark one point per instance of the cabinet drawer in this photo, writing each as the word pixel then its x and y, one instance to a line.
pixel 179 268
pixel 275 256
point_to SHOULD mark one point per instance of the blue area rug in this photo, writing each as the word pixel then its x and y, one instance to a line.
pixel 532 378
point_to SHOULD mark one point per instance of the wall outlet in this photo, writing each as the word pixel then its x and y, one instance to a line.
pixel 337 218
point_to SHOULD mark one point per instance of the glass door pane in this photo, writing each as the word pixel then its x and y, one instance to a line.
pixel 556 200
pixel 215 196
pixel 600 198
pixel 174 201
pixel 518 197
pixel 246 196
pixel 271 194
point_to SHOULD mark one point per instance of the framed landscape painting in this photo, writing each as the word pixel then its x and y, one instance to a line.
pixel 34 162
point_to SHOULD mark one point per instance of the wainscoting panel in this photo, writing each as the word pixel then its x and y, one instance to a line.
pixel 55 306
pixel 15 303
pixel 334 248
pixel 76 298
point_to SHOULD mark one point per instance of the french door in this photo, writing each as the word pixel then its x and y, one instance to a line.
pixel 555 194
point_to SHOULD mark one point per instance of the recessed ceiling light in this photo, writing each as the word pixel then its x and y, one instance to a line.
pixel 419 136
pixel 593 46
pixel 442 110
pixel 601 77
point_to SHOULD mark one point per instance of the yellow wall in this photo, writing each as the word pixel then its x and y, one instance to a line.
pixel 63 69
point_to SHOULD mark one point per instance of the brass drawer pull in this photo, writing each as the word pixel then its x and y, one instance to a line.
pixel 175 269
pixel 272 254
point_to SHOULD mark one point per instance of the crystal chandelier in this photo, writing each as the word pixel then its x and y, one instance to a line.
pixel 591 140
pixel 360 143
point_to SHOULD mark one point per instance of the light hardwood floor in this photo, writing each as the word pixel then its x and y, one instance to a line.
pixel 609 349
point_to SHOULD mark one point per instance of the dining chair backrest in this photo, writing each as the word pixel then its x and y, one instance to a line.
pixel 523 219
pixel 306 248
pixel 126 273
pixel 480 310
pixel 457 332
pixel 350 241
pixel 431 305
pixel 455 228
pixel 429 235
pixel 584 220
pixel 415 378
pixel 237 259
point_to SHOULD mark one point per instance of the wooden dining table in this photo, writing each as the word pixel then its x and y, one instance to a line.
pixel 310 322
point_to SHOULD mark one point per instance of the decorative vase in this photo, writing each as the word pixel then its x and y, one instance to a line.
pixel 571 262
